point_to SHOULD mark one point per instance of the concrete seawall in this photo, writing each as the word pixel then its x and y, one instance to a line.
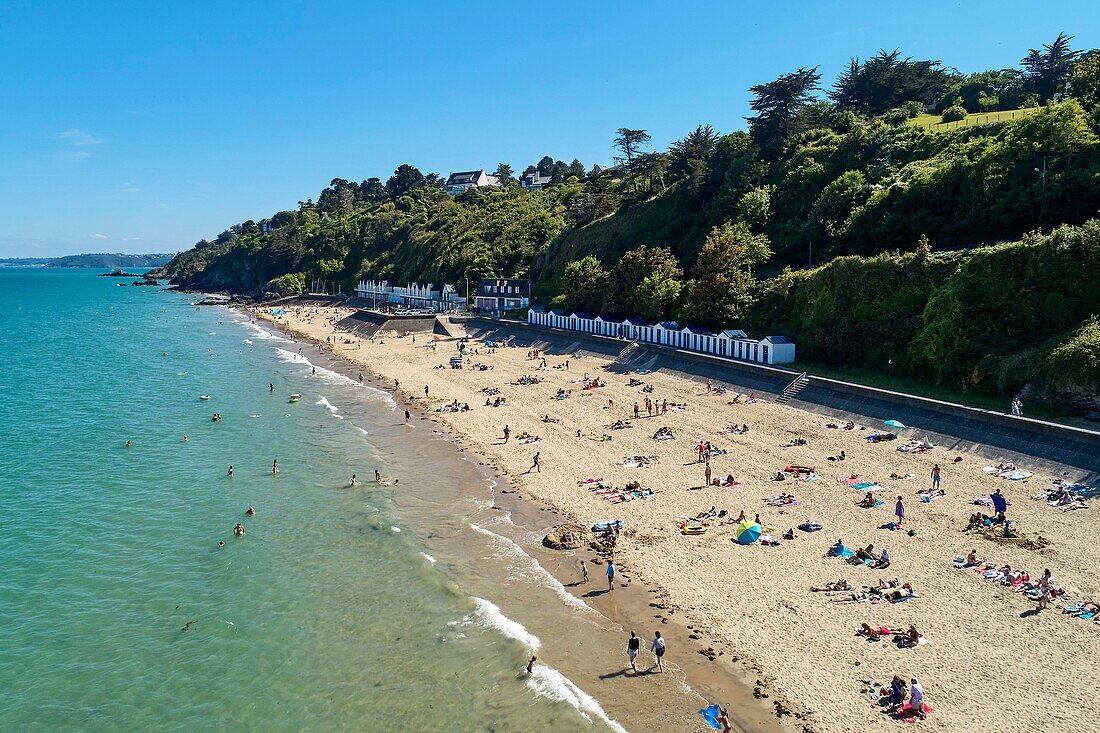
pixel 952 426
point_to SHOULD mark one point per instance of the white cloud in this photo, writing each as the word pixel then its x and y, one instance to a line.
pixel 97 235
pixel 79 138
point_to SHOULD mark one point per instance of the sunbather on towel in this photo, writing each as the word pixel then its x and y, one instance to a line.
pixel 836 550
pixel 885 585
pixel 883 561
pixel 972 558
pixel 874 634
pixel 854 597
pixel 899 594
pixel 867 502
pixel 841 584
pixel 909 638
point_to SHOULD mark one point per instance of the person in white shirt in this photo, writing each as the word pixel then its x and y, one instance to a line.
pixel 916 698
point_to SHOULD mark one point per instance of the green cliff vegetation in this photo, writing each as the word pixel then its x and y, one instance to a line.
pixel 841 217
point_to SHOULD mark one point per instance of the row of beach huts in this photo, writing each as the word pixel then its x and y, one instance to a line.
pixel 731 343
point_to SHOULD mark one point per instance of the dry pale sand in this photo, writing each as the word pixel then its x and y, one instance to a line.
pixel 991 664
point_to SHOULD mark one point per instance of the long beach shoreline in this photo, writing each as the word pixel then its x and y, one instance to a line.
pixel 753 604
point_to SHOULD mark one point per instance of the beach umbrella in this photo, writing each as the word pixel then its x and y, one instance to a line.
pixel 748 532
pixel 893 424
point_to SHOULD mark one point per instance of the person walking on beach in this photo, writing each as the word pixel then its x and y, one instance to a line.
pixel 635 410
pixel 659 651
pixel 535 465
pixel 935 476
pixel 407 416
pixel 899 512
pixel 425 391
pixel 610 576
pixel 632 647
pixel 708 473
pixel 584 573
pixel 507 433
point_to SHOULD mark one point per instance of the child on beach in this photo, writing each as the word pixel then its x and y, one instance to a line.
pixel 584 573
pixel 610 576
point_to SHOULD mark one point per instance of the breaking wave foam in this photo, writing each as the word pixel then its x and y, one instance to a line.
pixel 331 407
pixel 530 568
pixel 552 684
pixel 488 615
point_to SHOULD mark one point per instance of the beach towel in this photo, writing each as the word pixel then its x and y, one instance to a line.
pixel 809 527
pixel 851 480
pixel 878 503
pixel 1018 476
pixel 907 714
pixel 863 485
pixel 607 525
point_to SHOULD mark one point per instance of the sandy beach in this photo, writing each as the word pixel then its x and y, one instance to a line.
pixel 987 661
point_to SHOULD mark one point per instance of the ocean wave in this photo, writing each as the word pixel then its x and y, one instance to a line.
pixel 290 356
pixel 488 615
pixel 395 530
pixel 550 683
pixel 248 341
pixel 331 407
pixel 260 333
pixel 528 567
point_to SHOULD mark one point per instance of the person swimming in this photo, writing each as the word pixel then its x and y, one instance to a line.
pixel 275 467
pixel 229 473
pixel 250 511
pixel 129 444
pixel 238 530
pixel 354 480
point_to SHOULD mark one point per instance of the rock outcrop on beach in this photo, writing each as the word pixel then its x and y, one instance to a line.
pixel 566 537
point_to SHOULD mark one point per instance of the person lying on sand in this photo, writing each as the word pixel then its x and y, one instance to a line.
pixel 875 634
pixel 794 442
pixel 841 584
pixel 839 457
pixel 729 480
pixel 899 477
pixel 853 597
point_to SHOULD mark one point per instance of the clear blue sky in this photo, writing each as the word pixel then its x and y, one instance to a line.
pixel 137 127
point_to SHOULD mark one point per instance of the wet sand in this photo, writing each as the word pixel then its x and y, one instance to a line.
pixel 992 662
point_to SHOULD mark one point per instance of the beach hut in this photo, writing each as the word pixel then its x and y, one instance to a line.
pixel 725 341
pixel 776 350
pixel 556 318
pixel 667 333
pixel 696 338
pixel 607 325
pixel 536 316
pixel 634 329
pixel 581 321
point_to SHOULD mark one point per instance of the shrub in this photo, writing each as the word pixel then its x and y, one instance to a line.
pixel 954 113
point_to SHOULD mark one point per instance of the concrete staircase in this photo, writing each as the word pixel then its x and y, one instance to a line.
pixel 626 353
pixel 793 388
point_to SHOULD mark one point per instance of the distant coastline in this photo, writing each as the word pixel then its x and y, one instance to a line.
pixel 95 260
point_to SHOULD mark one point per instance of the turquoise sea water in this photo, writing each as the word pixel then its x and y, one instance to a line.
pixel 118 610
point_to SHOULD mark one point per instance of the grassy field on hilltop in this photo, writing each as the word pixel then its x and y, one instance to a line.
pixel 936 123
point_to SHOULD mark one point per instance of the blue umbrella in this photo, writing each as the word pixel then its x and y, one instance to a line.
pixel 710 714
pixel 893 424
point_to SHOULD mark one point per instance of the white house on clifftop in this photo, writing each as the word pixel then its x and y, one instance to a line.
pixel 464 180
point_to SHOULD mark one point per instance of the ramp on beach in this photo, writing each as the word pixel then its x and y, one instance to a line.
pixel 365 324
pixel 997 436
